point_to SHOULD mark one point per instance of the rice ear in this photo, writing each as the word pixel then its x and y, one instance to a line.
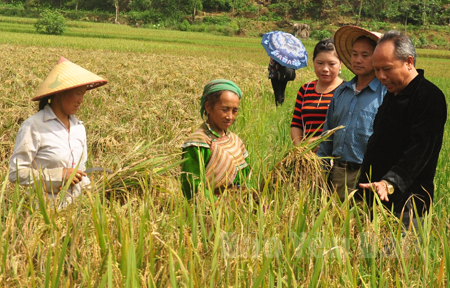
pixel 302 168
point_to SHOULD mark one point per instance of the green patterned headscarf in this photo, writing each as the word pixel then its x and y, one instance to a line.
pixel 218 85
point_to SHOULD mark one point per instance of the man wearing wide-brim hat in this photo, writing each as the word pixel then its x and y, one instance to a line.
pixel 354 106
pixel 51 146
pixel 403 151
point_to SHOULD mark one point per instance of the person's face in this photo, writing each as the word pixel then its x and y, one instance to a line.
pixel 327 66
pixel 393 73
pixel 223 113
pixel 71 100
pixel 361 58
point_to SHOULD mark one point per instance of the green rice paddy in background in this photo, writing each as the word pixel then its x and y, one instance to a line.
pixel 155 238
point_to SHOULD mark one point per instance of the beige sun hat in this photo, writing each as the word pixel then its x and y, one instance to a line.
pixel 67 75
pixel 344 39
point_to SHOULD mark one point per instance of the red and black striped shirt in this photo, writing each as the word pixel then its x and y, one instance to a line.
pixel 311 109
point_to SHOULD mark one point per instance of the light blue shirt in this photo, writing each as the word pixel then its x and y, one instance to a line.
pixel 356 112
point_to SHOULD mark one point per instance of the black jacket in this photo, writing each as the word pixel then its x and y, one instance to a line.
pixel 405 144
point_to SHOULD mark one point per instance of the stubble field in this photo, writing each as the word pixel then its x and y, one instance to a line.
pixel 151 237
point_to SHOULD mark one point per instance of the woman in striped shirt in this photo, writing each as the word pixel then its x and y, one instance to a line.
pixel 314 97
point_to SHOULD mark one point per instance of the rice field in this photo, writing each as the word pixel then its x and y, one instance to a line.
pixel 134 229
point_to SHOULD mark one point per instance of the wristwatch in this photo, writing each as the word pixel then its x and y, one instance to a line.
pixel 389 187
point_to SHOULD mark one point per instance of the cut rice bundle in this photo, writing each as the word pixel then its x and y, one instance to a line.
pixel 302 169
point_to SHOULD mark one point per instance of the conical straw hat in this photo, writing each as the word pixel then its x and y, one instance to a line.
pixel 67 75
pixel 344 39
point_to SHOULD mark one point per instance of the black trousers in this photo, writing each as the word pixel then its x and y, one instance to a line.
pixel 278 88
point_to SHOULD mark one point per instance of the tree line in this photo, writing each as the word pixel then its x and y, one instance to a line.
pixel 416 12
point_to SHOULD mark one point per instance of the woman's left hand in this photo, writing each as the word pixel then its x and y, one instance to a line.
pixel 311 140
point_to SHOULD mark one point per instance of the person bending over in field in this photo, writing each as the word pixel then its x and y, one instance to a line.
pixel 50 146
pixel 403 151
pixel 215 158
pixel 313 98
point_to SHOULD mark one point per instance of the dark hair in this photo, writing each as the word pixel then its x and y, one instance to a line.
pixel 212 98
pixel 326 45
pixel 403 46
pixel 44 101
pixel 368 39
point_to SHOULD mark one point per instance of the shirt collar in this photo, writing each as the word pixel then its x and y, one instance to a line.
pixel 411 87
pixel 50 115
pixel 212 131
pixel 373 85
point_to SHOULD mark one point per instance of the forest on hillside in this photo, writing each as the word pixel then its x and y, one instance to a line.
pixel 415 12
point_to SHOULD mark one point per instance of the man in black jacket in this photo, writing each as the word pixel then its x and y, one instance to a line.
pixel 402 153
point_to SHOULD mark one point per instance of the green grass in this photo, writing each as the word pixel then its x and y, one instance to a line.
pixel 150 237
pixel 84 35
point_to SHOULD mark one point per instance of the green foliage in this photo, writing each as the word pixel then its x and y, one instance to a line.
pixel 185 26
pixel 393 13
pixel 420 42
pixel 239 5
pixel 249 8
pixel 273 16
pixel 415 41
pixel 217 20
pixel 438 28
pixel 16 9
pixel 16 4
pixel 145 17
pixel 199 28
pixel 376 25
pixel 189 6
pixel 320 34
pixel 282 8
pixel 223 5
pixel 345 9
pixel 417 12
pixel 440 42
pixel 156 26
pixel 229 29
pixel 226 30
pixel 140 5
pixel 51 22
pixel 423 40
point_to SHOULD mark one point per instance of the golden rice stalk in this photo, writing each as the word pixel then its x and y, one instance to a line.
pixel 136 166
pixel 302 169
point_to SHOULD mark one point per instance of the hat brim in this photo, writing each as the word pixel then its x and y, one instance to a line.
pixel 345 37
pixel 65 76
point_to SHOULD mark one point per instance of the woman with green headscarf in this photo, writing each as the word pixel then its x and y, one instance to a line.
pixel 215 158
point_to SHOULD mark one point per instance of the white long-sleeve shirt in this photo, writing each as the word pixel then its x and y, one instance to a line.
pixel 43 148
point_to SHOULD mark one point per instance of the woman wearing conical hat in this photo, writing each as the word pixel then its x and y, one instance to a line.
pixel 50 147
pixel 215 158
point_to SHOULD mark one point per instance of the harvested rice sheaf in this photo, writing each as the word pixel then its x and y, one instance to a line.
pixel 300 169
